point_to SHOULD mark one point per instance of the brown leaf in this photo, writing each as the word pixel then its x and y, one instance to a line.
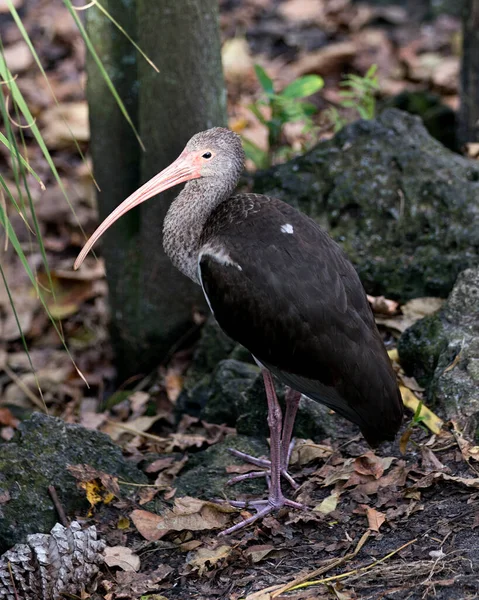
pixel 188 513
pixel 147 524
pixel 123 557
pixel 86 474
pixel 257 553
pixel 18 57
pixel 67 295
pixel 430 462
pixel 306 451
pixel 62 121
pixel 7 418
pixel 382 305
pixel 205 558
pixel 370 464
pixel 160 464
pixel 133 585
pixel 5 7
pixel 375 518
pixel 237 61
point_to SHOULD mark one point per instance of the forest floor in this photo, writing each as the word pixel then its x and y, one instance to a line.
pixel 385 525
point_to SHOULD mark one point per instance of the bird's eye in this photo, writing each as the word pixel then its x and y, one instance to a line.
pixel 207 155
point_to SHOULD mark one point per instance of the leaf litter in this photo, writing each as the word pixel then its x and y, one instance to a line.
pixel 405 521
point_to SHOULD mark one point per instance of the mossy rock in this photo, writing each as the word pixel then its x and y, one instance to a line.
pixel 403 207
pixel 38 457
pixel 205 474
pixel 442 351
pixel 237 398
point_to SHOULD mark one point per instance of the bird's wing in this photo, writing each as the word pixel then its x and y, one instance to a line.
pixel 281 287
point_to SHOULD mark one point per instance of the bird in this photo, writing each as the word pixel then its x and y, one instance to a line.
pixel 277 283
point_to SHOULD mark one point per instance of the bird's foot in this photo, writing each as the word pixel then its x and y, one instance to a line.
pixel 262 507
pixel 265 464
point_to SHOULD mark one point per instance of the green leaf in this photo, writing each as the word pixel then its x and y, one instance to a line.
pixel 265 81
pixel 258 114
pixel 303 87
pixel 255 154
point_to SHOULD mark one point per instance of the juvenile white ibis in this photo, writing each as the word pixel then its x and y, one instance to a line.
pixel 279 285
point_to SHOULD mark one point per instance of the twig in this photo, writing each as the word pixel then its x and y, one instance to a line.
pixel 58 505
pixel 298 582
pixel 354 571
pixel 25 389
pixel 13 581
pixel 148 436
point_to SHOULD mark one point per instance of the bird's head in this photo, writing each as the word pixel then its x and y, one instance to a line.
pixel 214 153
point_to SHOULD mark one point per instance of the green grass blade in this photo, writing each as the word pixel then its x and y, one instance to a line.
pixel 124 32
pixel 102 69
pixel 6 143
pixel 12 236
pixel 22 336
pixel 22 105
pixel 28 41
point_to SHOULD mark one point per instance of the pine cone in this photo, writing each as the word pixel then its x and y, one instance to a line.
pixel 66 560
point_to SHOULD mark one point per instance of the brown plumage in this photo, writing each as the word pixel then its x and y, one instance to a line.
pixel 279 285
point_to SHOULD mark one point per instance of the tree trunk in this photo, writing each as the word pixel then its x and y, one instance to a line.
pixel 469 111
pixel 187 96
pixel 151 303
pixel 116 159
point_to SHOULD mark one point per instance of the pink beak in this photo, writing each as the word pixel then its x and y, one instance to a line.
pixel 183 169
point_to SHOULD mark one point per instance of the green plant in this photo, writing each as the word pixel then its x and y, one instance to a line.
pixel 15 193
pixel 359 94
pixel 417 421
pixel 283 107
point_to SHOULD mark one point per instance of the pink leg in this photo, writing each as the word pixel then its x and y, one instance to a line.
pixel 275 499
pixel 292 401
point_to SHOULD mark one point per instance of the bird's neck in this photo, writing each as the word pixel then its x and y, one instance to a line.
pixel 186 218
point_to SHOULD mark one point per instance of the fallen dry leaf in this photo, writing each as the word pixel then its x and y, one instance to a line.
pixel 412 311
pixel 135 585
pixel 257 553
pixel 468 451
pixel 7 418
pixel 188 513
pixel 205 558
pixel 306 451
pixel 237 61
pixel 370 464
pixel 18 57
pixel 65 296
pixel 375 518
pixel 99 487
pixel 328 504
pixel 147 524
pixel 62 121
pixel 382 305
pixel 123 557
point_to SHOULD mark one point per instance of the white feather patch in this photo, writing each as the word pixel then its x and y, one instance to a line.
pixel 219 255
pixel 287 228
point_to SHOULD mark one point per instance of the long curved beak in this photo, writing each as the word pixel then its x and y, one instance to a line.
pixel 183 169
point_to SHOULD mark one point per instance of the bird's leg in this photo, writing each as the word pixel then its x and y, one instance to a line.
pixel 287 444
pixel 292 401
pixel 275 499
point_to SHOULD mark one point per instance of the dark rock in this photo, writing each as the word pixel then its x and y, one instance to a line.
pixel 205 473
pixel 438 118
pixel 442 351
pixel 403 207
pixel 213 347
pixel 36 458
pixel 237 397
